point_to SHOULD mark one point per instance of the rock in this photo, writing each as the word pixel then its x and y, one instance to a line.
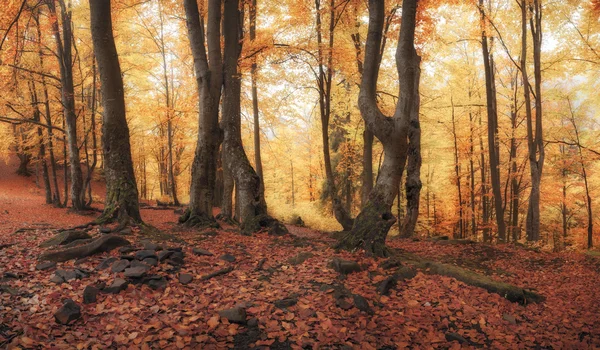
pixel 185 278
pixel 286 302
pixel 343 304
pixel 106 263
pixel 362 304
pixel 150 245
pixel 201 252
pixel 253 322
pixel 386 285
pixel 90 294
pixel 151 262
pixel 66 275
pixel 456 337
pixel 344 267
pixel 136 263
pixel 120 265
pixel 509 318
pixel 228 257
pixel 128 257
pixel 126 250
pixel 155 282
pixel 45 265
pixel 118 285
pixel 68 313
pixel 136 272
pixel 165 254
pixel 234 315
pixel 105 230
pixel 144 254
pixel 56 279
pixel 176 259
pixel 65 238
pixel 300 258
pixel 81 273
pixel 175 249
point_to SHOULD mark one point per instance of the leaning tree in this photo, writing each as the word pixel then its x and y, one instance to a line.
pixel 121 189
pixel 372 225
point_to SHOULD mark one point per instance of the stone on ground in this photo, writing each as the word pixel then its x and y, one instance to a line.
pixel 234 315
pixel 345 267
pixel 68 313
pixel 201 252
pixel 45 265
pixel 118 285
pixel 228 257
pixel 120 265
pixel 90 294
pixel 185 278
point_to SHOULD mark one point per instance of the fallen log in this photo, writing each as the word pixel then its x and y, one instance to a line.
pixel 99 245
pixel 64 238
pixel 505 290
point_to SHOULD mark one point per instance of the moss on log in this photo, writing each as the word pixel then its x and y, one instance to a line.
pixel 507 291
pixel 99 245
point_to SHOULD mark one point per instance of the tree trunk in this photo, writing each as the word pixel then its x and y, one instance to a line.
pixel 534 141
pixel 492 128
pixel 257 155
pixel 324 81
pixel 253 208
pixel 413 177
pixel 375 219
pixel 461 229
pixel 208 69
pixel 121 188
pixel 67 93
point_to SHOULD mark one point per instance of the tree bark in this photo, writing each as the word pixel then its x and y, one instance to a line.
pixel 208 69
pixel 253 208
pixel 121 188
pixel 375 219
pixel 255 112
pixel 534 141
pixel 64 46
pixel 492 113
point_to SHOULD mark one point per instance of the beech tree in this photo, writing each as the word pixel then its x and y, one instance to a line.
pixel 121 188
pixel 209 73
pixel 371 226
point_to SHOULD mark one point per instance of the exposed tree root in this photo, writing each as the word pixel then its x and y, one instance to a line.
pixel 198 221
pixel 101 244
pixel 507 291
pixel 64 238
pixel 227 219
pixel 259 222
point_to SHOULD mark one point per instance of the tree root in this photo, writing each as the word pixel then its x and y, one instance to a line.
pixel 505 290
pixel 227 220
pixel 198 221
pixel 256 223
pixel 101 244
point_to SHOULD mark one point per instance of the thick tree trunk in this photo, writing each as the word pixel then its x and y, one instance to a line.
pixel 492 112
pixel 67 93
pixel 413 177
pixel 375 219
pixel 121 188
pixel 253 208
pixel 208 69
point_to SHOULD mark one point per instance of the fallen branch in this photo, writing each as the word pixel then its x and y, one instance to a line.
pixel 99 245
pixel 217 273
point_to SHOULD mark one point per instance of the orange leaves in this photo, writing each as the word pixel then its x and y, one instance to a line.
pixel 213 322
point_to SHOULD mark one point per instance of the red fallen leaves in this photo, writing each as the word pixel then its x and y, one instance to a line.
pixel 418 313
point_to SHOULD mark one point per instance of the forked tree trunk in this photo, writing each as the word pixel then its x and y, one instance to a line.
pixel 68 100
pixel 121 188
pixel 252 205
pixel 208 69
pixel 375 219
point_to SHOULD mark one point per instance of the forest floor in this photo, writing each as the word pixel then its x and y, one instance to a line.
pixel 290 303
